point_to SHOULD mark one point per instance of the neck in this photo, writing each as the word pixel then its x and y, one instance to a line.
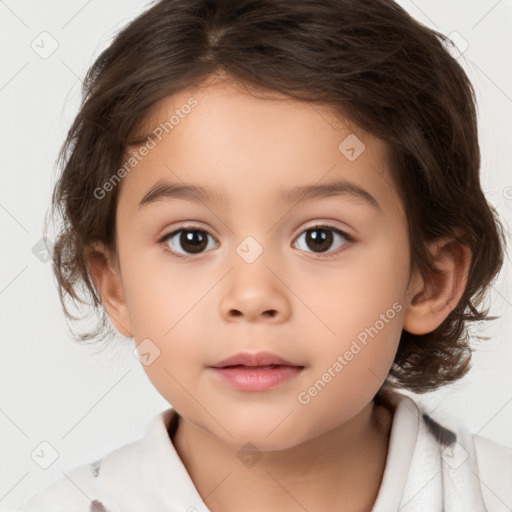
pixel 341 469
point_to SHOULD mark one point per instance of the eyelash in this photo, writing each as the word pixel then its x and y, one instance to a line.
pixel 168 236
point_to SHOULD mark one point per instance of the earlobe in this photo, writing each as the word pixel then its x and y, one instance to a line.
pixel 431 299
pixel 107 279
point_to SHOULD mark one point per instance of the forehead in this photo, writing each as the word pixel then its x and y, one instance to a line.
pixel 251 145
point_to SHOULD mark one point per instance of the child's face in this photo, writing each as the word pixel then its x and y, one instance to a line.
pixel 306 306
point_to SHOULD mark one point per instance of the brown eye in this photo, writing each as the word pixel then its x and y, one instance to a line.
pixel 321 238
pixel 189 241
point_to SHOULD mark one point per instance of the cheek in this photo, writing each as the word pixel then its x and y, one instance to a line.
pixel 160 295
pixel 172 311
pixel 164 311
pixel 367 284
pixel 362 305
pixel 352 365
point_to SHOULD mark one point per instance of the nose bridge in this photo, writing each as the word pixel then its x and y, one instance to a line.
pixel 254 290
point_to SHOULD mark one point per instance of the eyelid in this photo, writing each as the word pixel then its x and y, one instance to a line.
pixel 328 224
pixel 184 227
pixel 190 225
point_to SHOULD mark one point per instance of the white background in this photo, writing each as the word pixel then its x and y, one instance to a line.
pixel 86 404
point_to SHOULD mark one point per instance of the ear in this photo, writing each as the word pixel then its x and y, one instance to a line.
pixel 105 272
pixel 431 299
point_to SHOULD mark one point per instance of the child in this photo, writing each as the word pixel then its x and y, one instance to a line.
pixel 218 143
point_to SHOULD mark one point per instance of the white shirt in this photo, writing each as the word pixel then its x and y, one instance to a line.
pixel 428 469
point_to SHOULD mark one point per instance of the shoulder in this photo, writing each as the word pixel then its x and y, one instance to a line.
pixel 495 473
pixel 443 460
pixel 75 490
pixel 483 463
pixel 117 481
pixel 81 489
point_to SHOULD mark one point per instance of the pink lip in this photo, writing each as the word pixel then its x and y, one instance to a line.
pixel 251 378
pixel 251 359
pixel 255 372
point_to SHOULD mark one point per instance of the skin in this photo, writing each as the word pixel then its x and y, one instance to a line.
pixel 330 453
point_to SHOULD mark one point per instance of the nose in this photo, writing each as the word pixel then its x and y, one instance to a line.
pixel 254 293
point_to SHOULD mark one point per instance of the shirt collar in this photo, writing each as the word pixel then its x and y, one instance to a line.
pixel 168 478
pixel 163 469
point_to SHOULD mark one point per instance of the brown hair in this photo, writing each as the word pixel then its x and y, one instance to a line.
pixel 367 59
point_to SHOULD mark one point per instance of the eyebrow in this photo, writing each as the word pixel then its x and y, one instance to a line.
pixel 166 190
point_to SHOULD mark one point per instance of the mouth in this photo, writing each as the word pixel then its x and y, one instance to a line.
pixel 256 378
pixel 260 360
pixel 247 367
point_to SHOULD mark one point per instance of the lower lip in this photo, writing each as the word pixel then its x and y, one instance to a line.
pixel 248 378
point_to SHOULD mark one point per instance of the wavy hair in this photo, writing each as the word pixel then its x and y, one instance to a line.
pixel 366 59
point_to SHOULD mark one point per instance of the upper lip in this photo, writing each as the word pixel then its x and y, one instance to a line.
pixel 253 359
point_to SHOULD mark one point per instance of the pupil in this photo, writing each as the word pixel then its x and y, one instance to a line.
pixel 194 239
pixel 319 239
